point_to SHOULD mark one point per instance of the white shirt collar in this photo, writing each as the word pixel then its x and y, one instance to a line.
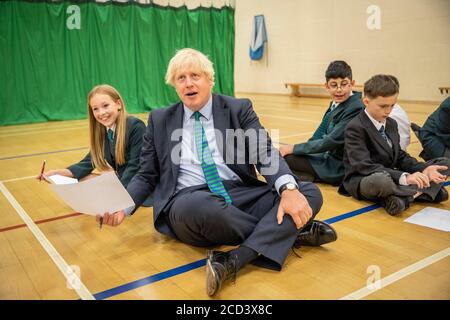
pixel 376 123
pixel 205 111
pixel 113 127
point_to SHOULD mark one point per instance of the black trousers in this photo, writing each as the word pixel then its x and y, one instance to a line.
pixel 201 218
pixel 302 168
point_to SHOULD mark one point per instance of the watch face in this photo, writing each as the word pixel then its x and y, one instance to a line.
pixel 291 186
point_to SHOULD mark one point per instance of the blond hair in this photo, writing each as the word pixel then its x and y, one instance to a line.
pixel 97 130
pixel 188 57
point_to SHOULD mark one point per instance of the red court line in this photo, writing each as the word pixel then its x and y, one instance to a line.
pixel 75 214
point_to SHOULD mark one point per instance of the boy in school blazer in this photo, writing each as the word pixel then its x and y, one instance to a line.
pixel 376 168
pixel 320 158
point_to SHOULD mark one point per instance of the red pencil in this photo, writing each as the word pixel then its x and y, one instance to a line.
pixel 42 171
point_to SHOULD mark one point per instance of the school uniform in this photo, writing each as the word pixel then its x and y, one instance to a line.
pixel 324 151
pixel 135 130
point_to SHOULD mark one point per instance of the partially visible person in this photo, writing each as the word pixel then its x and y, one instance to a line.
pixel 376 168
pixel 404 125
pixel 435 133
pixel 320 158
pixel 115 138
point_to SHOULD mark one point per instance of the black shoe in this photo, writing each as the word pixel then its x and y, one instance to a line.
pixel 220 266
pixel 394 205
pixel 315 234
pixel 441 196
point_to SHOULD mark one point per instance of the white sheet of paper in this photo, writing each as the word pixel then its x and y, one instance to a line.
pixel 95 196
pixel 432 218
pixel 59 179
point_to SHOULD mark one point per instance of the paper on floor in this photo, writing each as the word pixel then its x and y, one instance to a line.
pixel 432 218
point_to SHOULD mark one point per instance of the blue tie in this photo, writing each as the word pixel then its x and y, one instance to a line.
pixel 383 134
pixel 110 135
pixel 322 129
pixel 385 137
pixel 209 168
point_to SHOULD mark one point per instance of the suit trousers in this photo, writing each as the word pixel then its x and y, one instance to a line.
pixel 201 218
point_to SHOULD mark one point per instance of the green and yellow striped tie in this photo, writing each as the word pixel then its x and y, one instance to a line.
pixel 209 168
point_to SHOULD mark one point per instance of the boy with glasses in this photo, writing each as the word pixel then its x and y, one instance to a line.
pixel 320 158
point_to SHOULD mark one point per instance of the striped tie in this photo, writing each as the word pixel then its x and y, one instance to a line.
pixel 383 134
pixel 209 168
pixel 110 135
pixel 385 137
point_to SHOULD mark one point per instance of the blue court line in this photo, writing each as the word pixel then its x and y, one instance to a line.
pixel 142 282
pixel 200 263
pixel 42 153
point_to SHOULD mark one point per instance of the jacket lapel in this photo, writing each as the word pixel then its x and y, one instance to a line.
pixel 375 134
pixel 221 116
pixel 174 122
pixel 390 132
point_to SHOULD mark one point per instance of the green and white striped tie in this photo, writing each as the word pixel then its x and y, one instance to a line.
pixel 209 168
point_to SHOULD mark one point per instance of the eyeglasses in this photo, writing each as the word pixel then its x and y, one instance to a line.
pixel 342 85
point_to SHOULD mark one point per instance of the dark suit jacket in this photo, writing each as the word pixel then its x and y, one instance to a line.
pixel 325 154
pixel 366 152
pixel 435 133
pixel 159 173
pixel 133 143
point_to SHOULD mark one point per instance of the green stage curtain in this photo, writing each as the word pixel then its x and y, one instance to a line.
pixel 48 66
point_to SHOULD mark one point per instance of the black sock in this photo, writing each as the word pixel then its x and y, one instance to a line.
pixel 244 255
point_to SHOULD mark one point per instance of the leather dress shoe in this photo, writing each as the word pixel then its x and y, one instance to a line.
pixel 220 266
pixel 315 234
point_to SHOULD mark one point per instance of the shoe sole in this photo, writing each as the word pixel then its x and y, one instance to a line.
pixel 212 285
pixel 395 209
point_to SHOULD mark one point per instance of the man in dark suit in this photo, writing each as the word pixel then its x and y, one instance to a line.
pixel 199 158
pixel 320 158
pixel 376 168
pixel 435 133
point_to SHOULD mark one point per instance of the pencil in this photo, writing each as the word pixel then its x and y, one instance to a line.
pixel 42 171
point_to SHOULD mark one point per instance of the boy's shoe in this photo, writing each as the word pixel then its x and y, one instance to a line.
pixel 393 205
pixel 441 196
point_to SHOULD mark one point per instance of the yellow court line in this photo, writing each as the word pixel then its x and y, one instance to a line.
pixel 62 265
pixel 384 282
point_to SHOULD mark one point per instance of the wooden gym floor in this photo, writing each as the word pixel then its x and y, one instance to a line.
pixel 45 247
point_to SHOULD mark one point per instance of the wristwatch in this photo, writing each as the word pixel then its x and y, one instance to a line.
pixel 288 186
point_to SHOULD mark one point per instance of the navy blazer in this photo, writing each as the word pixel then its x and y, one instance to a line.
pixel 159 174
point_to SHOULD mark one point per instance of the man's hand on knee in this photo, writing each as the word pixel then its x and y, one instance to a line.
pixel 294 204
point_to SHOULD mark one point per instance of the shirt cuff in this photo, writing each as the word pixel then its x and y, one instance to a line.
pixel 286 178
pixel 129 210
pixel 402 180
